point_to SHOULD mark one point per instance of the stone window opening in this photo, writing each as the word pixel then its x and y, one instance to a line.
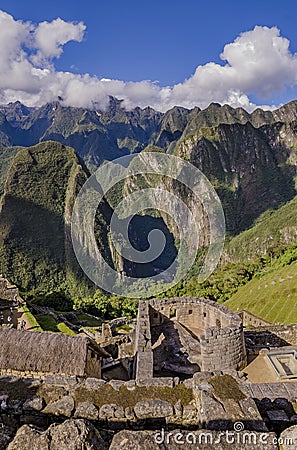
pixel 190 311
pixel 204 314
pixel 172 313
pixel 218 323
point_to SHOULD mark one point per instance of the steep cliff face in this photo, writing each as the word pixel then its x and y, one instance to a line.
pixel 253 169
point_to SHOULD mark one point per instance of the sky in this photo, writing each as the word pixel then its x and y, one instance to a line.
pixel 157 53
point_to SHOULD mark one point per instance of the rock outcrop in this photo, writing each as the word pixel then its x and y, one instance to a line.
pixel 70 435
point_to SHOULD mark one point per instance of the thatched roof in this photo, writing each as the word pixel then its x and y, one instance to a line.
pixel 45 352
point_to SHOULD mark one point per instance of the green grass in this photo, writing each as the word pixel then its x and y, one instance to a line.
pixel 272 297
pixel 90 321
pixel 63 328
pixel 123 327
pixel 34 324
pixel 48 323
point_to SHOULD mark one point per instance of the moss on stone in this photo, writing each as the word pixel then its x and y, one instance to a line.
pixel 128 398
pixel 226 387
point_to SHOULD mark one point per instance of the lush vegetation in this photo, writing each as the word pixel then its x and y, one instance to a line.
pixel 107 307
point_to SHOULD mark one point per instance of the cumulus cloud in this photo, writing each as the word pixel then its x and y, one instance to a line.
pixel 258 62
pixel 51 36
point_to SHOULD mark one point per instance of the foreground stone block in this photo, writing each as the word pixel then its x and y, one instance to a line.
pixel 193 440
pixel 63 407
pixel 148 409
pixel 288 438
pixel 86 410
pixel 111 411
pixel 29 436
pixel 71 435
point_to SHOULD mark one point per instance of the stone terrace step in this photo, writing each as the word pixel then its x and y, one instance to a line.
pixel 272 390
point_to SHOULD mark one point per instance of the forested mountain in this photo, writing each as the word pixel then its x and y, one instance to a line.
pixel 249 158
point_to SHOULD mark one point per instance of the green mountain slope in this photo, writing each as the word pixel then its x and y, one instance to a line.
pixel 273 230
pixel 40 188
pixel 251 159
pixel 272 297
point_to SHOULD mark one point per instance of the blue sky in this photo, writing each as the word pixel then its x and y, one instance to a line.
pixel 161 41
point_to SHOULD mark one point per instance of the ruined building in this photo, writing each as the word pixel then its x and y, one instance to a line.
pixel 185 335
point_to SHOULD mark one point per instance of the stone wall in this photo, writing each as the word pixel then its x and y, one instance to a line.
pixel 7 290
pixel 271 336
pixel 194 313
pixel 108 407
pixel 220 330
pixel 143 360
pixel 92 369
pixel 93 364
pixel 26 374
pixel 249 319
pixel 223 348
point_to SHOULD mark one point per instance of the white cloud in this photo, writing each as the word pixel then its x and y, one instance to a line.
pixel 258 62
pixel 51 36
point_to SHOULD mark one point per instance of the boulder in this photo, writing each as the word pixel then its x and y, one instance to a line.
pixel 86 410
pixel 190 440
pixel 288 438
pixel 130 385
pixel 29 437
pixel 135 440
pixel 210 409
pixel 116 384
pixel 75 434
pixel 252 415
pixel 70 435
pixel 178 409
pixel 148 409
pixel 129 413
pixel 189 412
pixel 63 407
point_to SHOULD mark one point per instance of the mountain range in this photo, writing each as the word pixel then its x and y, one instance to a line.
pixel 47 153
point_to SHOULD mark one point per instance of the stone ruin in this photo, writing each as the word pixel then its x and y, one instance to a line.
pixel 182 336
pixel 9 293
pixel 185 379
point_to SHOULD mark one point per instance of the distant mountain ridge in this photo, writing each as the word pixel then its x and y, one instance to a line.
pixel 100 135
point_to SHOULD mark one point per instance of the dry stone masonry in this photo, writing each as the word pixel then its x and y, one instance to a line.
pixel 217 330
pixel 7 291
